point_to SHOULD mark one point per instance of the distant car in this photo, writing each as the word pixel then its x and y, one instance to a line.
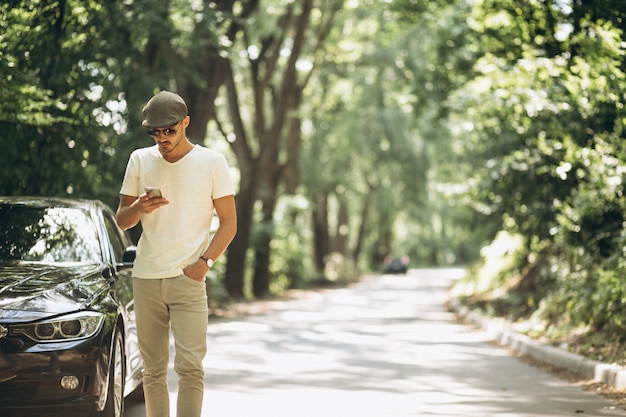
pixel 68 341
pixel 396 265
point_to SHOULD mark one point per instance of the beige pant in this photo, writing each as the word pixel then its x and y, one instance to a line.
pixel 181 302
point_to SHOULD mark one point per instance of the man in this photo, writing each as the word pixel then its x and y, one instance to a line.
pixel 175 250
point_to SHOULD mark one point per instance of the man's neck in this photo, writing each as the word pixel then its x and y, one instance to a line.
pixel 181 150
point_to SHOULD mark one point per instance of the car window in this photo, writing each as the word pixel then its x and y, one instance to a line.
pixel 115 238
pixel 47 235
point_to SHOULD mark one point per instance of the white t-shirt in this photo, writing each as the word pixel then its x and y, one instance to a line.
pixel 175 235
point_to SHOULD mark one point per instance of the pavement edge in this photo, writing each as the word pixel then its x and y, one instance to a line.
pixel 501 332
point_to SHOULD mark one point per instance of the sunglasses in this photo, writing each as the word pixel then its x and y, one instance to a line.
pixel 168 131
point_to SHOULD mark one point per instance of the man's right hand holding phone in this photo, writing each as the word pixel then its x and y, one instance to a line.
pixel 151 200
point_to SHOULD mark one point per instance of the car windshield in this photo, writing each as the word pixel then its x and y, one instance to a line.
pixel 47 235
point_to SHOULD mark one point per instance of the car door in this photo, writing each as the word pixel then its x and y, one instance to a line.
pixel 123 289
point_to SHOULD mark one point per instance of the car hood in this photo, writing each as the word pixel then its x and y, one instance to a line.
pixel 33 291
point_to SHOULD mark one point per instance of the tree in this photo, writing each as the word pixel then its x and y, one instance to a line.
pixel 278 58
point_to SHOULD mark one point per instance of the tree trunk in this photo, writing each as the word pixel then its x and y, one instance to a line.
pixel 235 262
pixel 321 238
pixel 235 273
pixel 269 173
pixel 341 236
pixel 262 276
pixel 282 125
pixel 361 233
pixel 385 237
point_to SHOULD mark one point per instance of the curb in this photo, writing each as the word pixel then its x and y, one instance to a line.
pixel 499 329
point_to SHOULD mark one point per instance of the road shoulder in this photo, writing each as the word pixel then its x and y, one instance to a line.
pixel 608 380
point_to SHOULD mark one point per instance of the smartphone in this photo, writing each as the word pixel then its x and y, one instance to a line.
pixel 154 192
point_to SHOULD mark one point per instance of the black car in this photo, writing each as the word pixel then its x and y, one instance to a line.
pixel 396 265
pixel 67 332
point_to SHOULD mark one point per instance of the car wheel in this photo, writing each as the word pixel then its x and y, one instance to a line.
pixel 114 406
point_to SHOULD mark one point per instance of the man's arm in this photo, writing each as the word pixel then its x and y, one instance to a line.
pixel 227 214
pixel 131 208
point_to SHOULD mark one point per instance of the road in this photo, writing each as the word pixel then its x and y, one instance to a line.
pixel 386 347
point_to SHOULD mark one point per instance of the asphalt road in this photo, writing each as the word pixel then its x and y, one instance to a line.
pixel 384 348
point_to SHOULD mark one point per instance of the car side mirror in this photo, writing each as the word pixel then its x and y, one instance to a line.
pixel 129 256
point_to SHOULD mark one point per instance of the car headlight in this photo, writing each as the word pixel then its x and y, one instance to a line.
pixel 74 326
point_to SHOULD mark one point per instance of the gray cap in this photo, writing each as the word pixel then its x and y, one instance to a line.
pixel 164 110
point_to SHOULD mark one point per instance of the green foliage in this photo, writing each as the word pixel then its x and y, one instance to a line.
pixel 547 114
pixel 378 127
pixel 291 268
pixel 60 98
